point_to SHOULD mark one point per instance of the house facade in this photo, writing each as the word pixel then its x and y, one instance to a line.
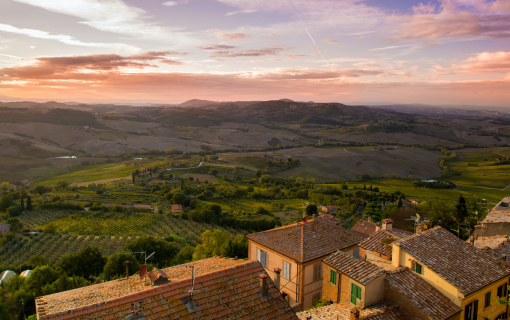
pixel 293 255
pixel 465 275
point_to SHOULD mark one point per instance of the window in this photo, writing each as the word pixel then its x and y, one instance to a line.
pixel 356 253
pixel 317 271
pixel 286 270
pixel 316 298
pixel 332 277
pixel 417 268
pixel 502 291
pixel 471 311
pixel 502 316
pixel 487 300
pixel 261 257
pixel 355 293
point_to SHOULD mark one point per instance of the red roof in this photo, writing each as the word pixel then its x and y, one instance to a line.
pixel 230 293
pixel 373 243
pixel 339 311
pixel 460 264
pixel 359 270
pixel 305 241
pixel 421 294
pixel 176 207
pixel 365 227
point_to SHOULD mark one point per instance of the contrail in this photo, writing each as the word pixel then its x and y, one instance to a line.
pixel 317 48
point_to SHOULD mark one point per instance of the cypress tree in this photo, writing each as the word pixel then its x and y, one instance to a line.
pixel 22 204
pixel 399 203
pixel 29 204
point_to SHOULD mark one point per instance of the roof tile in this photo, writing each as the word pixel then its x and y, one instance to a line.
pixel 359 270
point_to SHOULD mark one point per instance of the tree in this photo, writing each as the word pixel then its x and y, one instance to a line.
pixel 40 277
pixel 29 204
pixel 15 211
pixel 258 173
pixel 4 185
pixel 311 209
pixel 185 255
pixel 399 204
pixel 212 244
pixel 299 180
pixel 461 210
pixel 115 265
pixel 37 261
pixel 15 224
pixel 178 198
pixel 6 202
pixel 165 251
pixel 22 204
pixel 85 263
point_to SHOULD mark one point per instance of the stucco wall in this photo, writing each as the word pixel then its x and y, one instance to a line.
pixel 374 291
pixel 494 309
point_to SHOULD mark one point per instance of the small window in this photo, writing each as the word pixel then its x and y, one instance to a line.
pixel 487 300
pixel 502 316
pixel 417 268
pixel 332 277
pixel 286 270
pixel 471 311
pixel 315 298
pixel 261 257
pixel 317 271
pixel 356 253
pixel 502 291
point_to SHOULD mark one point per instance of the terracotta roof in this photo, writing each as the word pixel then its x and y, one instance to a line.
pixel 373 243
pixel 339 311
pixel 495 247
pixel 72 299
pixel 422 294
pixel 4 226
pixel 176 207
pixel 155 274
pixel 359 270
pixel 305 241
pixel 460 264
pixel 230 293
pixel 365 227
pixel 500 212
pixel 328 218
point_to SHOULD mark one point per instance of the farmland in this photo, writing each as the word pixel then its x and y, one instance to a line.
pixel 89 173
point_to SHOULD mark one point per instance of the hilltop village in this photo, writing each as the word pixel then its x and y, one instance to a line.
pixel 314 269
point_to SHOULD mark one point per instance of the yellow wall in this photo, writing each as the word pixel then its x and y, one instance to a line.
pixel 402 258
pixel 311 287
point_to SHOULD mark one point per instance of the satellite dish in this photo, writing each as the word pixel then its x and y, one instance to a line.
pixel 143 271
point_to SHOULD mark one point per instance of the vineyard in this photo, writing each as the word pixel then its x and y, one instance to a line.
pixel 53 246
pixel 112 223
pixel 241 205
pixel 32 219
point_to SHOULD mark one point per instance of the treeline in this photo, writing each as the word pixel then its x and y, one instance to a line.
pixel 434 185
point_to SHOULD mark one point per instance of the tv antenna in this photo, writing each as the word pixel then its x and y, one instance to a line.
pixel 144 253
pixel 190 303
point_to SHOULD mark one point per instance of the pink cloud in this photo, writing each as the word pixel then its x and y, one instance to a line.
pixel 234 36
pixel 455 19
pixel 331 41
pixel 484 62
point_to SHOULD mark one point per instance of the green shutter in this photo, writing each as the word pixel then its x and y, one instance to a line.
pixel 332 277
pixel 418 268
pixel 355 293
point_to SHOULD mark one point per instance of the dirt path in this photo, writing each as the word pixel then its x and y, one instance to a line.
pixel 201 163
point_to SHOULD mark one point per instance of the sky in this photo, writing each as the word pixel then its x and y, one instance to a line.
pixel 441 52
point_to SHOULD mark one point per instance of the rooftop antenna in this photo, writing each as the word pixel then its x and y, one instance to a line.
pixel 190 303
pixel 144 253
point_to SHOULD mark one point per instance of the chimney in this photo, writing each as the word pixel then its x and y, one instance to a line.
pixel 377 227
pixel 314 216
pixel 387 225
pixel 127 263
pixel 277 272
pixel 369 219
pixel 354 314
pixel 503 260
pixel 472 240
pixel 263 286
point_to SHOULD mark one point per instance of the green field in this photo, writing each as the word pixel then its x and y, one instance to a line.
pixel 104 223
pixel 257 162
pixel 89 173
pixel 483 175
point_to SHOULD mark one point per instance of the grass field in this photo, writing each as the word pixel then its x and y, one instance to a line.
pixel 257 162
pixel 89 173
pixel 483 175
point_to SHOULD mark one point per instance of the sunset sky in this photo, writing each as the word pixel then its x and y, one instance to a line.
pixel 349 51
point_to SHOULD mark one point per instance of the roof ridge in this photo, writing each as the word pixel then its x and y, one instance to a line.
pixel 206 276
